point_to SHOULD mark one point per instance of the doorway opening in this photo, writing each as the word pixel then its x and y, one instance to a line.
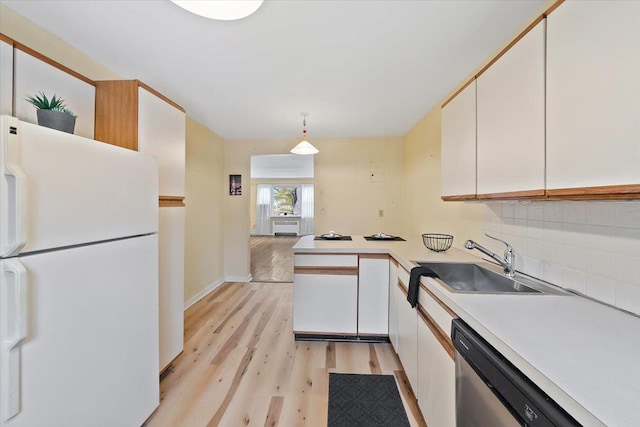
pixel 282 210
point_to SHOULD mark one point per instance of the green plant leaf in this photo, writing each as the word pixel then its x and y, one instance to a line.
pixel 41 102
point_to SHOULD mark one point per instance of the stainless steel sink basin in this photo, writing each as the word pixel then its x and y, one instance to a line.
pixel 485 278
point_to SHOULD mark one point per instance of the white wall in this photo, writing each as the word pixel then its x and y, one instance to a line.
pixel 590 247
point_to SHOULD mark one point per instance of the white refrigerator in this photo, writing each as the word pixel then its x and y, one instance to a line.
pixel 78 280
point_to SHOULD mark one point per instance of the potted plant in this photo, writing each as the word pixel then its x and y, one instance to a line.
pixel 53 112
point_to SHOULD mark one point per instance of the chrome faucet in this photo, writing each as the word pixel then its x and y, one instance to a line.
pixel 509 260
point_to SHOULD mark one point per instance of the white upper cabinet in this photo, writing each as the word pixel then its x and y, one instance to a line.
pixel 458 159
pixel 161 134
pixel 32 75
pixel 130 114
pixel 6 78
pixel 511 109
pixel 593 94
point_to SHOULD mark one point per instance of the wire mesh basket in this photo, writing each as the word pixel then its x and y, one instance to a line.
pixel 437 242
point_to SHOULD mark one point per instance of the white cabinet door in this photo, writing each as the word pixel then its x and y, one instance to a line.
pixel 325 303
pixel 32 75
pixel 407 338
pixel 171 283
pixel 458 158
pixel 90 356
pixel 436 380
pixel 6 78
pixel 393 304
pixel 511 114
pixel 593 94
pixel 161 133
pixel 373 296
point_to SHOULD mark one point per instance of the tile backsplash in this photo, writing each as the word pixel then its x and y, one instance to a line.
pixel 590 247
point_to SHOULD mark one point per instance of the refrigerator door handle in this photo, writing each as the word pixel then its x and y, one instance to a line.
pixel 13 309
pixel 13 219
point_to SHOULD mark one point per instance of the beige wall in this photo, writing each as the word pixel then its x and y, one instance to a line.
pixel 204 188
pixel 204 251
pixel 344 189
pixel 424 211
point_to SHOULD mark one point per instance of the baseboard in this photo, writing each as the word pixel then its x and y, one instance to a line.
pixel 247 278
pixel 203 293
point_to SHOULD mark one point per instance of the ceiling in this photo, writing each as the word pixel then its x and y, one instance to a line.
pixel 359 67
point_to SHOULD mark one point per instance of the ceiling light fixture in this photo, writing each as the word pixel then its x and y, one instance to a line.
pixel 304 147
pixel 223 10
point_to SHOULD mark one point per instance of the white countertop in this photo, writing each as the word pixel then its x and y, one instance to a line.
pixel 583 354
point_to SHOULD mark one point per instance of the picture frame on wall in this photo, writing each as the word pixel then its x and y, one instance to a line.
pixel 235 185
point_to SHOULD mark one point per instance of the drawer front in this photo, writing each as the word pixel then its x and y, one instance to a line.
pixel 321 260
pixel 441 316
pixel 403 275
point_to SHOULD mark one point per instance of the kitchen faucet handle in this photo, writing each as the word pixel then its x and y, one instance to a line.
pixel 509 248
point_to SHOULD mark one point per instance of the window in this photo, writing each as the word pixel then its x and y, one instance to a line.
pixel 285 200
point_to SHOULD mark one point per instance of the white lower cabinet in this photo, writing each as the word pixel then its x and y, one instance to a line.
pixel 407 338
pixel 393 303
pixel 325 294
pixel 171 283
pixel 341 294
pixel 436 379
pixel 373 295
pixel 325 304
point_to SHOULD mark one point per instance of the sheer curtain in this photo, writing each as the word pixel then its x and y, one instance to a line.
pixel 306 211
pixel 263 210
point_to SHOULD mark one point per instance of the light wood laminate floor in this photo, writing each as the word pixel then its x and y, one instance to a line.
pixel 242 367
pixel 272 258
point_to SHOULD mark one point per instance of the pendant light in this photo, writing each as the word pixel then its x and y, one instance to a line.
pixel 304 147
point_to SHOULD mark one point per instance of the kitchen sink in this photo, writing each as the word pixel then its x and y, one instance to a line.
pixel 485 278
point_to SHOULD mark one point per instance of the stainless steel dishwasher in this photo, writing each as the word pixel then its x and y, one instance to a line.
pixel 491 392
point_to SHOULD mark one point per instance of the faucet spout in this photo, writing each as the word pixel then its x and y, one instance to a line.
pixel 507 262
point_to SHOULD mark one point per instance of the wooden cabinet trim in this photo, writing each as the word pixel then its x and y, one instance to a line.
pixel 456 93
pixel 337 271
pixel 374 256
pixel 523 33
pixel 159 95
pixel 171 201
pixel 117 113
pixel 7 39
pixel 459 198
pixel 393 260
pixel 511 44
pixel 608 192
pixel 46 59
pixel 403 288
pixel 512 195
pixel 439 301
pixel 440 335
pixel 553 7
